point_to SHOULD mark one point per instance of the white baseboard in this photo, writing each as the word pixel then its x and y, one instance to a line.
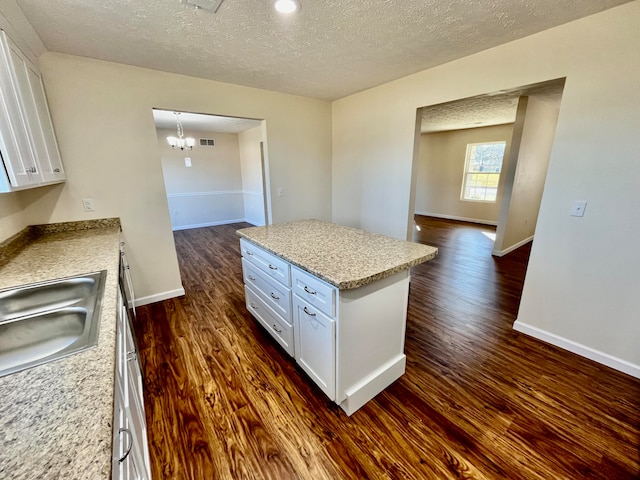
pixel 158 297
pixel 358 395
pixel 579 349
pixel 460 219
pixel 257 223
pixel 207 224
pixel 502 253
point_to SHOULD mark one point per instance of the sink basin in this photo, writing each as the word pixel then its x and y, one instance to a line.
pixel 45 321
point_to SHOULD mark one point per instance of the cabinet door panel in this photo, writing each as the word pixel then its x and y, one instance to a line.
pixel 315 345
pixel 15 144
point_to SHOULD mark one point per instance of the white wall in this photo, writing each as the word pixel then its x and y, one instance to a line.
pixel 440 173
pixel 209 192
pixel 251 163
pixel 527 173
pixel 102 113
pixel 582 278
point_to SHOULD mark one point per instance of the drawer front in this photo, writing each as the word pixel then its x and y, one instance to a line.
pixel 276 295
pixel 315 291
pixel 267 262
pixel 279 330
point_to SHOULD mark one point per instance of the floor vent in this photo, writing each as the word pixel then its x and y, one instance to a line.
pixel 207 142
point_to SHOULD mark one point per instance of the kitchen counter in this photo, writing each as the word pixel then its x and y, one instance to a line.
pixel 56 419
pixel 344 257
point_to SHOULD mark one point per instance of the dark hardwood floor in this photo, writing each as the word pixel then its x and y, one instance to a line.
pixel 478 400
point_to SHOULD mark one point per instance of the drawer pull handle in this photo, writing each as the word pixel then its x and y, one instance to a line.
pixel 126 454
pixel 254 306
pixel 310 292
pixel 274 296
pixel 253 279
pixel 272 267
pixel 311 314
pixel 276 329
pixel 248 252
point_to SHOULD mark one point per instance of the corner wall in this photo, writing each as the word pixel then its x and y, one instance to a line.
pixel 582 279
pixel 102 113
pixel 441 169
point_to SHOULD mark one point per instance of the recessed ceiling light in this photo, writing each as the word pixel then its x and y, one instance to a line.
pixel 287 6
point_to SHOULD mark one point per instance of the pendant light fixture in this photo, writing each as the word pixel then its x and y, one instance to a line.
pixel 179 141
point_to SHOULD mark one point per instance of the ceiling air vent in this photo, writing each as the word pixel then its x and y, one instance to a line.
pixel 207 142
pixel 212 5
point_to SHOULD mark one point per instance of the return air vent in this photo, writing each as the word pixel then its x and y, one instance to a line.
pixel 212 5
pixel 207 142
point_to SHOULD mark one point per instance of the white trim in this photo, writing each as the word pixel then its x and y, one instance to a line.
pixel 255 194
pixel 502 253
pixel 199 194
pixel 208 224
pixel 254 222
pixel 460 219
pixel 158 297
pixel 579 349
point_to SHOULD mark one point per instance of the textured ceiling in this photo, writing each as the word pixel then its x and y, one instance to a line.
pixel 203 123
pixel 484 110
pixel 330 49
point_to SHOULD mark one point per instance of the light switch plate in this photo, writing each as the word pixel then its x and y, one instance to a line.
pixel 187 161
pixel 578 208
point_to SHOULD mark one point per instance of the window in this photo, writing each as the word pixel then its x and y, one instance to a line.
pixel 482 169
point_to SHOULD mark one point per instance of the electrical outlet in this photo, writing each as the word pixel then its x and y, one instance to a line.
pixel 578 208
pixel 281 191
pixel 88 204
pixel 187 161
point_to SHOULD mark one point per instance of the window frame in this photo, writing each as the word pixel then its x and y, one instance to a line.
pixel 466 172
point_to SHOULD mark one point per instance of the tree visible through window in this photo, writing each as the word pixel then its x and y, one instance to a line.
pixel 482 171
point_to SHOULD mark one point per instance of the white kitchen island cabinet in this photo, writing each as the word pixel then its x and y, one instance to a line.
pixel 335 298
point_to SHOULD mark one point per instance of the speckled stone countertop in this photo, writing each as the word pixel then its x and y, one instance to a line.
pixel 345 257
pixel 56 419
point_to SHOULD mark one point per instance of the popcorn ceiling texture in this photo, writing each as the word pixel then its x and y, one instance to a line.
pixel 330 49
pixel 56 419
pixel 342 256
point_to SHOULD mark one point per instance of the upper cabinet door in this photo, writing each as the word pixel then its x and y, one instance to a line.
pixel 28 144
pixel 15 144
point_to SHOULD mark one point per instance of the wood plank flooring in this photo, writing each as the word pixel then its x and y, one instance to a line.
pixel 478 400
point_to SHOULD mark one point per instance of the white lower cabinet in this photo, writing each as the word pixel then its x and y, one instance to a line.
pixel 130 447
pixel 315 345
pixel 349 342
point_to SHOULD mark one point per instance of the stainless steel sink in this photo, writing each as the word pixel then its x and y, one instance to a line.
pixel 44 321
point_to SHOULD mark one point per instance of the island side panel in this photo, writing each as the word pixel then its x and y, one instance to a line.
pixel 370 338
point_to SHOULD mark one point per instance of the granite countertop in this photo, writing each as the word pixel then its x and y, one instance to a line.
pixel 56 419
pixel 345 257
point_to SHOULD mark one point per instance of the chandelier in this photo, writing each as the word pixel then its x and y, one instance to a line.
pixel 179 141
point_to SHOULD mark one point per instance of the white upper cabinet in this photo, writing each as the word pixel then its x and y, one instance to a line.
pixel 27 141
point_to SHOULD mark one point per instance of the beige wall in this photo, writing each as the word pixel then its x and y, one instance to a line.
pixel 582 278
pixel 209 192
pixel 440 173
pixel 102 113
pixel 251 162
pixel 525 179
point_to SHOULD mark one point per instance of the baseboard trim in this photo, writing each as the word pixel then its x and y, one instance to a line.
pixel 579 349
pixel 358 395
pixel 207 224
pixel 158 297
pixel 460 219
pixel 502 253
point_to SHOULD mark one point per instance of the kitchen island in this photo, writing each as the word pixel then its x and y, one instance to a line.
pixel 335 298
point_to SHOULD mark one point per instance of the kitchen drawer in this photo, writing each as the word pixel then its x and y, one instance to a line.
pixel 279 330
pixel 276 295
pixel 267 262
pixel 315 291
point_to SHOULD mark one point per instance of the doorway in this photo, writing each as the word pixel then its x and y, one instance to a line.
pixel 217 173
